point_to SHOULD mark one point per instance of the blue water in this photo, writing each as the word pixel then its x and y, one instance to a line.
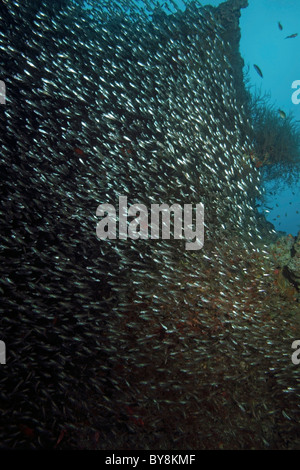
pixel 263 43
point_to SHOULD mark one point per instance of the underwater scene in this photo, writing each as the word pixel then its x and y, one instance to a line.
pixel 150 228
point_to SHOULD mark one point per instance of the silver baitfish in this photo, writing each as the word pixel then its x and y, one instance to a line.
pixel 134 344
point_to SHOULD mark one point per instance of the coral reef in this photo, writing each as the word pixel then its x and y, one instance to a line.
pixel 286 255
pixel 293 266
pixel 276 140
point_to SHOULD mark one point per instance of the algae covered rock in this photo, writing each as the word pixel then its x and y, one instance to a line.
pixel 282 250
pixel 293 265
pixel 286 255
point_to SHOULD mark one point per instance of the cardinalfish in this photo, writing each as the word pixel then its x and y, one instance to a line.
pixel 258 163
pixel 280 26
pixel 79 151
pixel 292 36
pixel 282 114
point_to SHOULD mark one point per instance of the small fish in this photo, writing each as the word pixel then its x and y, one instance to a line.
pixel 60 437
pixel 79 151
pixel 27 431
pixel 280 26
pixel 258 70
pixel 292 36
pixel 282 114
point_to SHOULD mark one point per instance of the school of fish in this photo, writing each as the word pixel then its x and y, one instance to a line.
pixel 134 344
